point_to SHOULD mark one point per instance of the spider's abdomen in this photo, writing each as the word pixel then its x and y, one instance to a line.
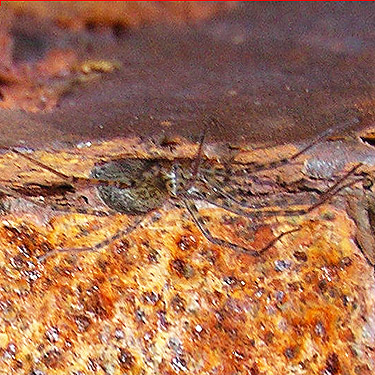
pixel 147 187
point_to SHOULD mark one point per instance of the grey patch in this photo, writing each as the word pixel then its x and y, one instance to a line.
pixel 323 169
pixel 15 205
pixel 147 185
pixel 282 265
pixel 330 158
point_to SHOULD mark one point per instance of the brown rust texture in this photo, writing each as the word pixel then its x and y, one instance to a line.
pixel 165 300
pixel 138 81
pixel 123 14
pixel 35 73
pixel 268 72
pixel 35 77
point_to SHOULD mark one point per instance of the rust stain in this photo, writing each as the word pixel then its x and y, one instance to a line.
pixel 165 300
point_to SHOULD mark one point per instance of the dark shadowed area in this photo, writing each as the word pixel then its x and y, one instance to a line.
pixel 266 72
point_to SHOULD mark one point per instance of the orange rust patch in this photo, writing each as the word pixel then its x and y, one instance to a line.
pixel 164 300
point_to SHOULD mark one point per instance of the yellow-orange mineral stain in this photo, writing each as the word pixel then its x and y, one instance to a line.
pixel 164 300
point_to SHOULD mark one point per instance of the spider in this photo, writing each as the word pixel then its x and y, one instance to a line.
pixel 140 187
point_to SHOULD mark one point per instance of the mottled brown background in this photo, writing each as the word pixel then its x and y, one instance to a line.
pixel 164 299
pixel 267 72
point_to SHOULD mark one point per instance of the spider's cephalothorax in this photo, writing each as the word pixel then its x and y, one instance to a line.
pixel 150 182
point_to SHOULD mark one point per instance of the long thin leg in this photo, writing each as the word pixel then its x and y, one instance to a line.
pixel 218 241
pixel 207 174
pixel 326 196
pixel 255 199
pixel 55 207
pixel 197 159
pixel 73 180
pixel 97 246
pixel 281 162
pixel 334 189
pixel 259 202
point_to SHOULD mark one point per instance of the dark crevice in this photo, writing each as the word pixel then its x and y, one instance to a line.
pixel 91 26
pixel 120 30
pixel 32 190
pixel 370 139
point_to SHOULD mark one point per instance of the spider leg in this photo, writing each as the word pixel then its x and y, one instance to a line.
pixel 73 180
pixel 198 159
pixel 258 202
pixel 284 161
pixel 257 213
pixel 98 246
pixel 328 194
pixel 56 207
pixel 218 241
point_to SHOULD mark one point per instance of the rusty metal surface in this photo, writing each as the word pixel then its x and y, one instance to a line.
pixel 267 72
pixel 164 298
